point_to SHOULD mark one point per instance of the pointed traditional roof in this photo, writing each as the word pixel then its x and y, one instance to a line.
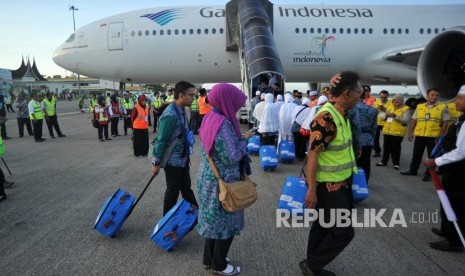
pixel 26 70
pixel 19 73
pixel 36 71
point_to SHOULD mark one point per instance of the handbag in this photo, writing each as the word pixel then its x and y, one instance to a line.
pixel 95 123
pixel 237 195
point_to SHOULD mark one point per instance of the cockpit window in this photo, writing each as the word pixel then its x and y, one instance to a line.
pixel 70 38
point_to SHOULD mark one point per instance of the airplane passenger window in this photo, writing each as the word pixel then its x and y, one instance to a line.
pixel 399 31
pixel 70 38
pixel 334 30
pixel 384 31
pixel 161 32
pixel 296 30
pixel 312 30
pixel 139 33
pixel 183 31
pixel 176 32
pixel 154 32
pixel 304 30
pixel 319 30
pixel 191 31
pixel 363 30
pixel 199 31
pixel 206 31
pixel 436 30
pixel 326 31
pixel 147 32
pixel 348 30
pixel 168 32
pixel 428 30
pixel 356 31
pixel 133 33
pixel 406 31
pixel 221 30
pixel 392 31
pixel 370 30
pixel 118 35
pixel 421 31
pixel 213 31
pixel 341 30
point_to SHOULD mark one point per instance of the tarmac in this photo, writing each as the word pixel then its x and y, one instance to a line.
pixel 46 224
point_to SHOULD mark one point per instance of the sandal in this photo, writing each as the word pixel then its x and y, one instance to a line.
pixel 229 270
pixel 228 261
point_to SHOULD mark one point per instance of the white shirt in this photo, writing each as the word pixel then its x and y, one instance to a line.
pixel 455 155
pixel 30 106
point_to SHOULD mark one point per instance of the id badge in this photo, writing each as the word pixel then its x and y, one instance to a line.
pixel 390 120
pixel 428 116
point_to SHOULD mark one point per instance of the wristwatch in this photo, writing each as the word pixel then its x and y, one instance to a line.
pixel 156 163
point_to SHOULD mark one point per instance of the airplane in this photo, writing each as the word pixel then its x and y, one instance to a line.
pixel 408 44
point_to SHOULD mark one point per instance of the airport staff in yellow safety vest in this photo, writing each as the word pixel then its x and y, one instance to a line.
pixel 93 102
pixel 194 122
pixel 169 97
pixel 37 117
pixel 128 106
pixel 157 103
pixel 394 129
pixel 429 121
pixel 49 107
pixel 381 105
pixel 330 165
pixel 453 113
pixel 3 182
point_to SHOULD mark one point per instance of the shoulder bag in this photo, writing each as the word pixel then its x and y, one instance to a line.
pixel 237 195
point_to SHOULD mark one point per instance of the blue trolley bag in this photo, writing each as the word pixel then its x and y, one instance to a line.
pixel 116 210
pixel 359 186
pixel 254 144
pixel 293 195
pixel 286 151
pixel 268 158
pixel 179 221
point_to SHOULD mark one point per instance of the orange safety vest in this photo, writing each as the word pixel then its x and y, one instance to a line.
pixel 370 101
pixel 204 107
pixel 142 119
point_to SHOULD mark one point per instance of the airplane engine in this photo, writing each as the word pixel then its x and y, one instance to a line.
pixel 442 64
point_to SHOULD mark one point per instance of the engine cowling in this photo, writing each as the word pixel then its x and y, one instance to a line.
pixel 442 64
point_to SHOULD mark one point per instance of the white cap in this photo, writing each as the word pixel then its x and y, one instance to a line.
pixel 461 91
pixel 262 96
pixel 313 93
pixel 257 93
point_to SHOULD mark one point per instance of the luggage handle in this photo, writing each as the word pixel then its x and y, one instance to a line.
pixel 110 222
pixel 172 234
pixel 141 194
pixel 192 210
pixel 123 198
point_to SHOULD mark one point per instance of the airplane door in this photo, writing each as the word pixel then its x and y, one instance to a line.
pixel 115 36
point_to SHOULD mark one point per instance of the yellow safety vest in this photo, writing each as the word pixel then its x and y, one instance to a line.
pixel 93 103
pixel 2 147
pixel 38 114
pixel 194 105
pixel 429 120
pixel 337 163
pixel 394 127
pixel 453 113
pixel 157 102
pixel 380 121
pixel 49 107
pixel 169 99
pixel 128 104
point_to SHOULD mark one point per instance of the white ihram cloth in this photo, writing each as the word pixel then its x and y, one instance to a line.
pixel 285 117
pixel 270 118
pixel 258 111
pixel 279 102
pixel 300 117
pixel 321 101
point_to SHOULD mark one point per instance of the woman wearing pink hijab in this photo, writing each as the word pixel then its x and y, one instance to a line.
pixel 222 139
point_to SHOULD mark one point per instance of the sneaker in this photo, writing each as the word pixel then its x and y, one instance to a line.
pixel 53 136
pixel 408 173
pixel 444 245
pixel 396 167
pixel 228 261
pixel 108 138
pixel 61 135
pixel 229 270
pixel 380 164
pixel 102 140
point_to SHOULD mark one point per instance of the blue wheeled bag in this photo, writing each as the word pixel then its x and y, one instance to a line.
pixel 116 210
pixel 254 144
pixel 359 186
pixel 268 158
pixel 293 194
pixel 179 221
pixel 286 151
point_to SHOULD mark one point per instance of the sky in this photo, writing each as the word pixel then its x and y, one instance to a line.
pixel 35 29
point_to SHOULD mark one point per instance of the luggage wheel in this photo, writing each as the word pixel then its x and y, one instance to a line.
pixel 113 236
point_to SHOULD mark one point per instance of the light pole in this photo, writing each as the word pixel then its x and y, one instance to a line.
pixel 73 8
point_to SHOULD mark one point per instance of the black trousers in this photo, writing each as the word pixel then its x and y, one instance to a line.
pixel 324 244
pixel 419 146
pixel 21 123
pixel 194 121
pixel 155 121
pixel 3 130
pixel 178 180
pixel 127 124
pixel 364 161
pixel 37 125
pixel 52 122
pixel 114 126
pixel 102 130
pixel 392 146
pixel 300 143
pixel 376 145
pixel 9 107
pixel 2 182
pixel 268 140
pixel 215 253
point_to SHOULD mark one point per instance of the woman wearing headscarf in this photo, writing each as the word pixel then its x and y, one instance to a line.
pixel 285 118
pixel 222 140
pixel 101 114
pixel 269 123
pixel 140 124
pixel 115 112
pixel 299 114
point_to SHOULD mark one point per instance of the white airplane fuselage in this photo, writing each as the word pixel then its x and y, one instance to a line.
pixel 313 43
